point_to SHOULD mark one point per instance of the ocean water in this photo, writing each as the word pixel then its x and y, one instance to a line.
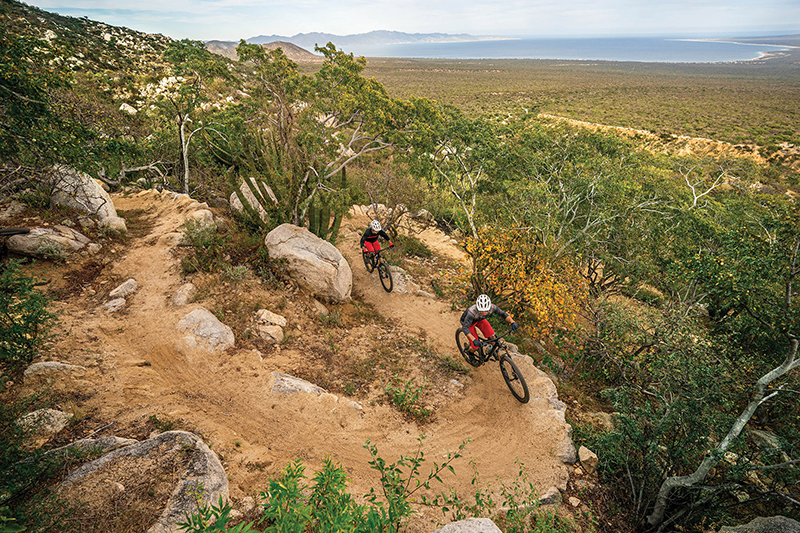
pixel 649 49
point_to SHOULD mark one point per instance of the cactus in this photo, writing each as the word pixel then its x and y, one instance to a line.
pixel 319 213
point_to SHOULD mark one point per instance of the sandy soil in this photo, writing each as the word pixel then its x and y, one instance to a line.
pixel 139 368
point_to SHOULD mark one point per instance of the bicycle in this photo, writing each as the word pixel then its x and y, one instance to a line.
pixel 373 260
pixel 497 352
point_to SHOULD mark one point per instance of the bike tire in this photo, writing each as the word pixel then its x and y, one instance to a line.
pixel 463 346
pixel 514 379
pixel 8 232
pixel 386 276
pixel 368 261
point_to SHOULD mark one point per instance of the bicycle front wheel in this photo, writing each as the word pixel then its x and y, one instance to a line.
pixel 367 261
pixel 514 380
pixel 386 276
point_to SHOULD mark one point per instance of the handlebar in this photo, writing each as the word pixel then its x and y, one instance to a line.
pixel 497 337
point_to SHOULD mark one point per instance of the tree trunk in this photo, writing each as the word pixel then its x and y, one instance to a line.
pixel 185 154
pixel 759 397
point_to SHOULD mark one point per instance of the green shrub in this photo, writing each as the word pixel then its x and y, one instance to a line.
pixel 412 246
pixel 405 397
pixel 293 506
pixel 208 248
pixel 24 319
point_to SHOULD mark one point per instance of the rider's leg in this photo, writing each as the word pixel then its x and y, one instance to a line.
pixel 486 329
pixel 370 246
pixel 472 346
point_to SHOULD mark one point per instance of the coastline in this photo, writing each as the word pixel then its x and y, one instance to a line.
pixel 642 50
pixel 763 55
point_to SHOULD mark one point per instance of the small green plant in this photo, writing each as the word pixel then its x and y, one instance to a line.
pixel 210 518
pixel 207 248
pixel 405 397
pixel 24 318
pixel 234 274
pixel 51 251
pixel 450 364
pixel 162 425
pixel 437 289
pixel 7 523
pixel 333 318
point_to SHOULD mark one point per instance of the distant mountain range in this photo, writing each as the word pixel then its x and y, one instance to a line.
pixel 309 40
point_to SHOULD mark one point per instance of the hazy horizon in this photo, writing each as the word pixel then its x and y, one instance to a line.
pixel 232 20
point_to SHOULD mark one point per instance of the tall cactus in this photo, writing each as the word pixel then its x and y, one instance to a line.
pixel 319 214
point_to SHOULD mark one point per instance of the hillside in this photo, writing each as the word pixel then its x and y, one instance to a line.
pixel 292 51
pixel 309 40
pixel 92 46
pixel 636 220
pixel 139 372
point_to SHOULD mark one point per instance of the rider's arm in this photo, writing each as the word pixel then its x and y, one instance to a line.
pixel 383 234
pixel 467 319
pixel 364 238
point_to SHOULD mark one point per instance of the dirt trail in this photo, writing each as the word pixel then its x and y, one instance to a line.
pixel 140 368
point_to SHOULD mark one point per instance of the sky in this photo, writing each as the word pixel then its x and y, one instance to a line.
pixel 231 20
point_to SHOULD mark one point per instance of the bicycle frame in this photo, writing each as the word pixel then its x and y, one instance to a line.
pixel 492 352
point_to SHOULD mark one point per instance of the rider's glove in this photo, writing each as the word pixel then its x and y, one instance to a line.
pixel 478 343
pixel 514 326
pixel 391 244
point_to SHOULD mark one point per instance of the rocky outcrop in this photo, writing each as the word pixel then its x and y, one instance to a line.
pixel 44 423
pixel 124 290
pixel 98 445
pixel 203 330
pixel 49 372
pixel 765 524
pixel 470 525
pixel 314 264
pixel 78 190
pixel 184 295
pixel 48 243
pixel 270 325
pixel 173 455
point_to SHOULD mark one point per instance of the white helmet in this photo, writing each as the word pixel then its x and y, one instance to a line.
pixel 375 225
pixel 484 303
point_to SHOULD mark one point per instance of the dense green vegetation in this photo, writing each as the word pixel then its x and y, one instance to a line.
pixel 666 282
pixel 737 103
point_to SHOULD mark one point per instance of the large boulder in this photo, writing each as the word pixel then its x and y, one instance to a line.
pixel 315 264
pixel 48 243
pixel 169 467
pixel 75 189
pixel 765 524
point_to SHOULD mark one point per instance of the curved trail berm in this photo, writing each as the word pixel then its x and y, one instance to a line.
pixel 138 368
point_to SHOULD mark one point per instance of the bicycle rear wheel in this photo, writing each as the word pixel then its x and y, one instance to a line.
pixel 463 346
pixel 367 261
pixel 386 276
pixel 514 380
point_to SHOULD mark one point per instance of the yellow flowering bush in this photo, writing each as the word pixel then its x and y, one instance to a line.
pixel 543 291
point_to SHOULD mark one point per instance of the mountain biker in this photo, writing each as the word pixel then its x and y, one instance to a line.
pixel 369 241
pixel 475 317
